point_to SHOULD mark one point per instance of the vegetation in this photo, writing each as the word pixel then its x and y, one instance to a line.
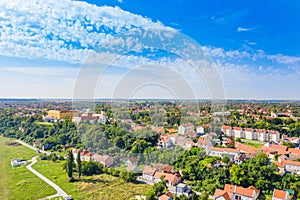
pixel 70 165
pixel 255 171
pixel 19 182
pixel 90 187
pixel 78 162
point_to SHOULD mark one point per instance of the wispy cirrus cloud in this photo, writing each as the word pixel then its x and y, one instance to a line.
pixel 242 29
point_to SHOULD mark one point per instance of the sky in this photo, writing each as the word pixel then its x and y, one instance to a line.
pixel 150 49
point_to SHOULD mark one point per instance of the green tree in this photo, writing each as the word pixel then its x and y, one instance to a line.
pixel 78 159
pixel 91 168
pixel 150 195
pixel 203 196
pixel 70 165
pixel 226 160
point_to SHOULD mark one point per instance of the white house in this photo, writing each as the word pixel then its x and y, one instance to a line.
pixel 148 173
pixel 185 128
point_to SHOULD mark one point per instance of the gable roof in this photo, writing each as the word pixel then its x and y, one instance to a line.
pixel 224 194
pixel 149 170
pixel 224 149
pixel 279 194
pixel 248 192
pixel 293 150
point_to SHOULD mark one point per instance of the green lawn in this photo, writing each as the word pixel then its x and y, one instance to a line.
pixel 19 182
pixel 255 144
pixel 94 187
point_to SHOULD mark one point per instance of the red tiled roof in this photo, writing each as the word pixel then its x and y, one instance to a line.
pixel 149 170
pixel 290 162
pixel 224 194
pixel 279 194
pixel 226 127
pixel 173 178
pixel 237 128
pixel 249 192
pixel 224 149
pixel 164 197
pixel 245 148
pixel 293 150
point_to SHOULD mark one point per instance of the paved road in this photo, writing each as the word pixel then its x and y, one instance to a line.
pixel 32 147
pixel 60 192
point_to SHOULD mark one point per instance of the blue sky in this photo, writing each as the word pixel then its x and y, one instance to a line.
pixel 253 48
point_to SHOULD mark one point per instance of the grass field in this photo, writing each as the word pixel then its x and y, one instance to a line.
pixel 19 182
pixel 255 144
pixel 103 186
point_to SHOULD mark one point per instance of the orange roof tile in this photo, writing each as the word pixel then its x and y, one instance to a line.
pixel 249 192
pixel 293 150
pixel 279 194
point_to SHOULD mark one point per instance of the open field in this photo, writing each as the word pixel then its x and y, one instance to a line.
pixel 93 187
pixel 19 182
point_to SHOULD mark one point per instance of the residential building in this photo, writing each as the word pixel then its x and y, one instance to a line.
pixel 204 142
pixel 294 154
pixel 248 150
pixel 203 129
pixel 105 160
pixel 274 136
pixel 285 165
pixel 131 161
pixel 250 134
pixel 232 192
pixel 227 130
pixel 262 135
pixel 280 195
pixel 185 128
pixel 171 179
pixel 221 152
pixel 185 143
pixel 165 141
pixel 167 196
pixel 133 168
pixel 148 173
pixel 238 132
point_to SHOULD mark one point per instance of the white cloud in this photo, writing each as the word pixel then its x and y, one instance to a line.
pixel 62 30
pixel 241 29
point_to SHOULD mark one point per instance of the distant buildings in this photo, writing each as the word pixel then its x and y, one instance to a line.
pixel 154 175
pixel 251 134
pixel 105 160
pixel 60 114
pixel 90 117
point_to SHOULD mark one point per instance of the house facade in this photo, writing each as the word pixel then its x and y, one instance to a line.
pixel 185 128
